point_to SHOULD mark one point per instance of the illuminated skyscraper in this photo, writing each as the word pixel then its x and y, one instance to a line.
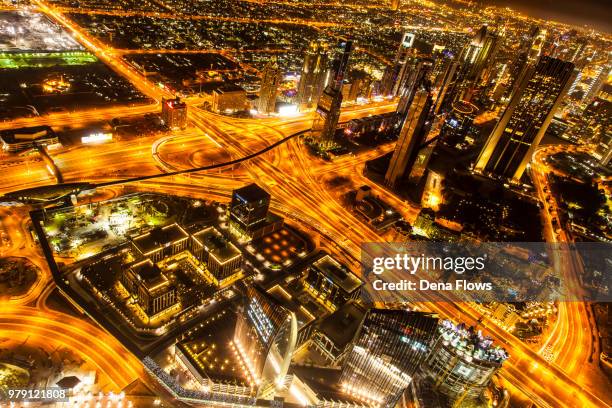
pixel 417 75
pixel 511 144
pixel 410 138
pixel 475 58
pixel 270 80
pixel 388 350
pixel 463 362
pixel 395 74
pixel 249 208
pixel 265 338
pixel 328 108
pixel 174 113
pixel 314 73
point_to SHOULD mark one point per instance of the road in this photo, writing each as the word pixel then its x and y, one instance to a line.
pixel 288 174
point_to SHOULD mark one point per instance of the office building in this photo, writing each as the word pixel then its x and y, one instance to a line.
pixel 395 74
pixel 14 140
pixel 249 206
pixel 222 258
pixel 603 150
pixel 160 243
pixel 174 113
pixel 462 362
pixel 332 283
pixel 328 107
pixel 313 76
pixel 249 217
pixel 410 138
pixel 265 338
pixel 390 346
pixel 444 85
pixel 510 146
pixel 458 127
pixel 270 80
pixel 229 98
pixel 150 287
pixel 417 76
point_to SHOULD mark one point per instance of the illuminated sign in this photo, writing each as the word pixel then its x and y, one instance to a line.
pixel 97 138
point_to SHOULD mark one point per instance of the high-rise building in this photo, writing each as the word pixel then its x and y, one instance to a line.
pixel 395 74
pixel 314 74
pixel 475 58
pixel 458 124
pixel 389 348
pixel 511 144
pixel 417 75
pixel 249 207
pixel 174 113
pixel 410 138
pixel 270 81
pixel 328 108
pixel 603 150
pixel 462 362
pixel 265 338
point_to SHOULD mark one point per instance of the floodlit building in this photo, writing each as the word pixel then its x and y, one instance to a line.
pixel 174 113
pixel 150 287
pixel 332 283
pixel 229 98
pixel 410 138
pixel 313 76
pixel 249 217
pixel 14 140
pixel 510 146
pixel 160 243
pixel 265 338
pixel 463 361
pixel 395 74
pixel 270 80
pixel 390 346
pixel 328 108
pixel 222 258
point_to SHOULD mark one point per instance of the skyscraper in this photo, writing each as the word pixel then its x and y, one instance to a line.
pixel 511 144
pixel 395 74
pixel 463 362
pixel 389 348
pixel 417 74
pixel 328 108
pixel 410 138
pixel 174 113
pixel 270 80
pixel 314 73
pixel 474 59
pixel 265 337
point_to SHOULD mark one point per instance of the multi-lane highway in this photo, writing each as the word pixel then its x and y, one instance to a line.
pixel 296 183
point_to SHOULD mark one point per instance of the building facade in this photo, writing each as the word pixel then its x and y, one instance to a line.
pixel 510 146
pixel 270 80
pixel 389 348
pixel 174 113
pixel 313 76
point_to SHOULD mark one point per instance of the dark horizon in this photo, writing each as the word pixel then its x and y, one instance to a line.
pixel 594 13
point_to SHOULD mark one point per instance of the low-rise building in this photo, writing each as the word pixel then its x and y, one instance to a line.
pixel 14 140
pixel 223 259
pixel 149 286
pixel 332 283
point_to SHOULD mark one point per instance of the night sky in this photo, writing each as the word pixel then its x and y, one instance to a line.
pixel 596 13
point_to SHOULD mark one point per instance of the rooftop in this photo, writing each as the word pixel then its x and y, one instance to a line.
pixel 159 237
pixel 340 327
pixel 252 193
pixel 26 134
pixel 471 343
pixel 150 274
pixel 216 244
pixel 338 273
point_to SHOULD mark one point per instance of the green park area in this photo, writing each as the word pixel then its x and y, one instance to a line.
pixel 9 60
